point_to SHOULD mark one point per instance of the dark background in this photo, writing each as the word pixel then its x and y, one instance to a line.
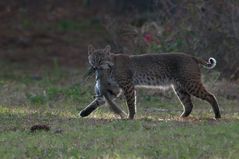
pixel 41 32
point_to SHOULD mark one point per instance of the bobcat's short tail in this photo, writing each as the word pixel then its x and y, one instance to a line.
pixel 210 64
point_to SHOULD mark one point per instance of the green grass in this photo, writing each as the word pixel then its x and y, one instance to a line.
pixel 157 131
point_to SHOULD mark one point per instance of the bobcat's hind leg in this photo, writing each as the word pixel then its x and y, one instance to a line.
pixel 98 101
pixel 185 100
pixel 200 92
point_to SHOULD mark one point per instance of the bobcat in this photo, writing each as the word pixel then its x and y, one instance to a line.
pixel 176 70
pixel 106 90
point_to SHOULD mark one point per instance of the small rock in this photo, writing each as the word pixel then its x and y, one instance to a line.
pixel 34 128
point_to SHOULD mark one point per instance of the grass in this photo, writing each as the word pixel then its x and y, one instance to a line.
pixel 157 132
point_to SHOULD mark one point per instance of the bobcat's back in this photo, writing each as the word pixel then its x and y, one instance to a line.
pixel 157 69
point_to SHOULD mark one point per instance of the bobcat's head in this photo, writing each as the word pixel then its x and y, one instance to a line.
pixel 99 58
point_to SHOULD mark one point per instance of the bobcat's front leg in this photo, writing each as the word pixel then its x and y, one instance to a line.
pixel 130 95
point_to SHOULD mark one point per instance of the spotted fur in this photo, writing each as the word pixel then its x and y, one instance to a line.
pixel 165 70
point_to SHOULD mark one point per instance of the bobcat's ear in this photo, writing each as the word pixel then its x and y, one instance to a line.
pixel 91 49
pixel 107 49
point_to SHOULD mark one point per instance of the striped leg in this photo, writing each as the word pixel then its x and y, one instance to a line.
pixel 185 100
pixel 130 95
pixel 210 98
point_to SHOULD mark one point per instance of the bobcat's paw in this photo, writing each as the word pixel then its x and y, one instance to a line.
pixel 217 116
pixel 130 117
